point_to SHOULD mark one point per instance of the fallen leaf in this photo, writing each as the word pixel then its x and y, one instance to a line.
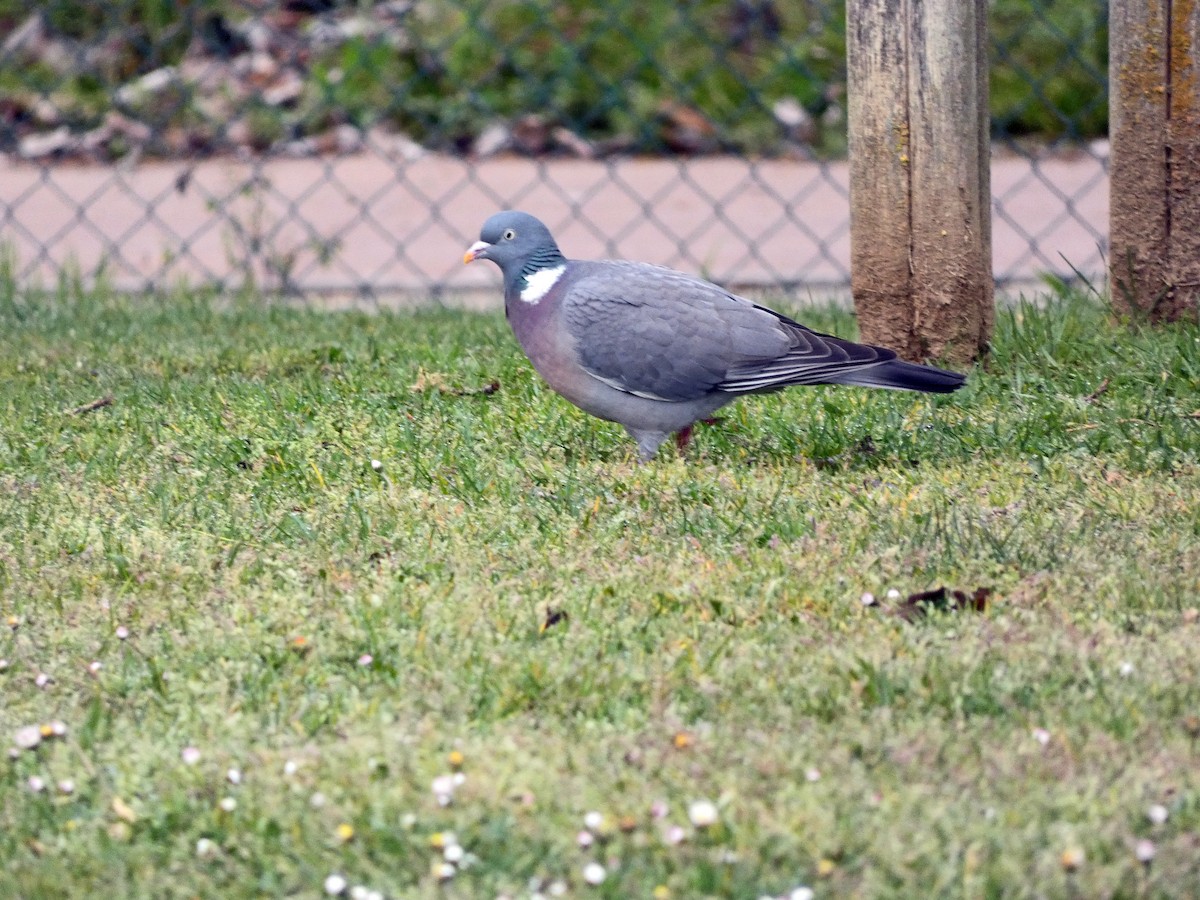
pixel 945 600
pixel 553 617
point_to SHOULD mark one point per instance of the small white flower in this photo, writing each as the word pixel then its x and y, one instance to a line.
pixel 1145 850
pixel 892 594
pixel 36 784
pixel 95 666
pixel 443 789
pixel 335 884
pixel 359 892
pixel 459 778
pixel 444 871
pixel 1157 814
pixel 290 767
pixel 675 835
pixel 453 853
pixel 190 755
pixel 801 893
pixel 812 774
pixel 14 752
pixel 659 809
pixel 228 804
pixel 376 465
pixel 1126 669
pixel 206 848
pixel 867 599
pixel 122 632
pixel 66 786
pixel 584 839
pixel 3 664
pixel 557 888
pixel 702 813
pixel 1042 736
pixel 374 895
pixel 365 660
pixel 234 776
pixel 42 679
pixel 593 821
pixel 317 800
pixel 58 728
pixel 593 873
pixel 28 737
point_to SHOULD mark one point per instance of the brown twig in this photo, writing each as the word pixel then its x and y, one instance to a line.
pixel 93 406
pixel 1091 398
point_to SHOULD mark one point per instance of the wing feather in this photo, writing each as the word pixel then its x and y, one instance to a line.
pixel 657 333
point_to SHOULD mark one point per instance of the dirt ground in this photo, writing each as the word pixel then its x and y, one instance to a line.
pixel 391 228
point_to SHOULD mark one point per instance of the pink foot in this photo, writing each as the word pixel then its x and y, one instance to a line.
pixel 683 437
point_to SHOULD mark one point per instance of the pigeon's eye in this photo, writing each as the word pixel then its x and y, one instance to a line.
pixel 509 235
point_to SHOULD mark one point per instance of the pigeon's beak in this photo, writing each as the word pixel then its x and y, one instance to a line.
pixel 475 251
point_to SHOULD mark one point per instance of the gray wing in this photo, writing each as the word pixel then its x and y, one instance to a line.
pixel 661 334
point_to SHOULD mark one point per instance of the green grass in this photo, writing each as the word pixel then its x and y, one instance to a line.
pixel 225 505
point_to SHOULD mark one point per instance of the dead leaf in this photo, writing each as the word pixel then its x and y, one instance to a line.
pixel 123 811
pixel 945 600
pixel 437 381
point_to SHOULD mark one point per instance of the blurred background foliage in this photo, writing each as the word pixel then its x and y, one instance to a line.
pixel 748 76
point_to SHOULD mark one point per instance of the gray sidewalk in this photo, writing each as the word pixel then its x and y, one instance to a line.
pixel 390 227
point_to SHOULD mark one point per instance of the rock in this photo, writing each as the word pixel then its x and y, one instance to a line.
pixel 565 139
pixel 348 139
pixel 796 121
pixel 686 129
pixel 46 143
pixel 495 138
pixel 393 145
pixel 287 89
pixel 531 135
pixel 148 85
pixel 27 39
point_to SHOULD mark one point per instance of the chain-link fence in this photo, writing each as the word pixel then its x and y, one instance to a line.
pixel 317 146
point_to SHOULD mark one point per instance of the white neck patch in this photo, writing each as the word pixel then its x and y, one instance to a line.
pixel 538 284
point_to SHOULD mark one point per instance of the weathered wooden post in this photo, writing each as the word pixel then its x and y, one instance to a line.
pixel 920 183
pixel 1154 124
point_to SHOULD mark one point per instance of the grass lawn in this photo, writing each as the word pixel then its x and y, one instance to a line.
pixel 267 652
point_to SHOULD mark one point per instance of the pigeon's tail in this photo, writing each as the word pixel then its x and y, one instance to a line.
pixel 903 376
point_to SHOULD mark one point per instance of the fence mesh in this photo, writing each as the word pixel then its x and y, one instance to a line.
pixel 354 148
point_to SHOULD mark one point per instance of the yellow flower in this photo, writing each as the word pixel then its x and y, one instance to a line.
pixel 345 832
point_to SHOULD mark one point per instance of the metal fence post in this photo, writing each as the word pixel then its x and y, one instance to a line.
pixel 920 200
pixel 1155 129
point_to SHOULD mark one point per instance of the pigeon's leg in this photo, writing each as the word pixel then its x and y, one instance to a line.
pixel 647 442
pixel 683 437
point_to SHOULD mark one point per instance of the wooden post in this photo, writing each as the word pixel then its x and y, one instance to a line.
pixel 1154 123
pixel 920 184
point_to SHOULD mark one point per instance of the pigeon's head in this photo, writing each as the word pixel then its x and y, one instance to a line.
pixel 517 242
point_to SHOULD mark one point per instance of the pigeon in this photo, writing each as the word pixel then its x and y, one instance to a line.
pixel 656 350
